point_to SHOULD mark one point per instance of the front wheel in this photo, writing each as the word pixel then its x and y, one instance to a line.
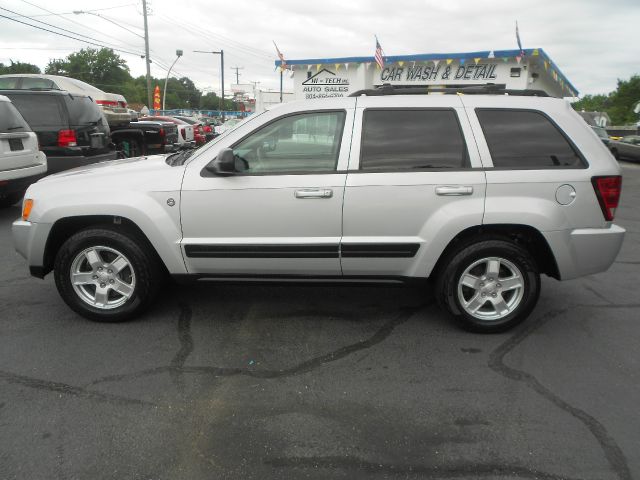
pixel 489 286
pixel 106 275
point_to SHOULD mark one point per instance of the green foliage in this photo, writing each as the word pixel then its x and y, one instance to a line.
pixel 107 71
pixel 618 104
pixel 18 67
pixel 101 68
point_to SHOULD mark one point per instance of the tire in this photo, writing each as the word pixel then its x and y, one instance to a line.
pixel 478 299
pixel 11 199
pixel 118 277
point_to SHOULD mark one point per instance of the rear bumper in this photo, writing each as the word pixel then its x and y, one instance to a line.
pixel 585 251
pixel 59 164
pixel 14 181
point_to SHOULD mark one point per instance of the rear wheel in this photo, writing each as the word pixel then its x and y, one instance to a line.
pixel 489 286
pixel 106 275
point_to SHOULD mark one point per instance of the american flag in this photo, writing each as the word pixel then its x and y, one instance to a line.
pixel 283 62
pixel 519 42
pixel 378 55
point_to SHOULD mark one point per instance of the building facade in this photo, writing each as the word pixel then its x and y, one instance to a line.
pixel 339 77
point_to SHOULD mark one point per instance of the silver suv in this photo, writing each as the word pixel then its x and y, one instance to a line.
pixel 480 192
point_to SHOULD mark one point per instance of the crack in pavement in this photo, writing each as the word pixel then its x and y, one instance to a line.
pixel 612 451
pixel 177 366
pixel 464 470
pixel 71 390
pixel 186 346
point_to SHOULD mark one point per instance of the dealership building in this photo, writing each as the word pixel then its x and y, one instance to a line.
pixel 339 77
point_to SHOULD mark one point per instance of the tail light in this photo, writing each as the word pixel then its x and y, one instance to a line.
pixel 608 189
pixel 67 138
pixel 122 104
pixel 163 136
pixel 107 103
pixel 207 128
pixel 183 132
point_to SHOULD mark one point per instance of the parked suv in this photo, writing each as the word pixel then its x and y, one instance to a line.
pixel 71 128
pixel 21 163
pixel 481 192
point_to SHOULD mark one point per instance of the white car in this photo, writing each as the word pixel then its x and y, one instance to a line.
pixel 483 192
pixel 113 105
pixel 21 163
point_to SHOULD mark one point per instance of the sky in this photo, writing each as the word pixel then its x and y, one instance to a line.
pixel 594 43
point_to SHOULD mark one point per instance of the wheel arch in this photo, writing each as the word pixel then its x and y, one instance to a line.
pixel 523 235
pixel 65 227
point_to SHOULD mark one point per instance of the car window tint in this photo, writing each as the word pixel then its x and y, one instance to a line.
pixel 32 83
pixel 307 142
pixel 527 139
pixel 9 83
pixel 40 110
pixel 82 110
pixel 11 120
pixel 411 140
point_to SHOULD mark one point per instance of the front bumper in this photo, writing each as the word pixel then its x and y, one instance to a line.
pixel 29 240
pixel 585 251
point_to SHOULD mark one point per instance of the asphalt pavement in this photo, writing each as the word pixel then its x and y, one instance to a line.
pixel 288 382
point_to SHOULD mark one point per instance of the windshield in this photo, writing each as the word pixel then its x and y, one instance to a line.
pixel 602 133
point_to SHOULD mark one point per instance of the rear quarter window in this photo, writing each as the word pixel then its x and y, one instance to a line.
pixel 11 120
pixel 526 139
pixel 83 111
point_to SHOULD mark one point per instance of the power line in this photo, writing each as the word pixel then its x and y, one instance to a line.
pixel 67 36
pixel 74 22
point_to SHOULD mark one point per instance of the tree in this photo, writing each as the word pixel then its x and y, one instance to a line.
pixel 102 68
pixel 617 104
pixel 18 67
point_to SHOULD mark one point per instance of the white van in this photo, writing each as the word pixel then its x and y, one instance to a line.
pixel 21 162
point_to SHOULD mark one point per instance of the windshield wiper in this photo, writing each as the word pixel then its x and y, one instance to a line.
pixel 179 158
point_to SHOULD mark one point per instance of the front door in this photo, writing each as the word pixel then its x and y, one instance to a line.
pixel 283 214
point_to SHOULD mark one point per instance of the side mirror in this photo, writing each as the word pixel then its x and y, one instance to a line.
pixel 226 164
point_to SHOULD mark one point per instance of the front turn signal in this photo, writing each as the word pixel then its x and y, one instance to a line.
pixel 26 208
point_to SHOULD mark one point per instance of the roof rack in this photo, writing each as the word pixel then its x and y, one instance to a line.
pixel 483 89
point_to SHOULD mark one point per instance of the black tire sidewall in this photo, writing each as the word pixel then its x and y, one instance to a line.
pixel 123 242
pixel 490 248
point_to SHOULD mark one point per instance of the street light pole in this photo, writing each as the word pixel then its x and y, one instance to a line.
pixel 146 53
pixel 164 94
pixel 221 53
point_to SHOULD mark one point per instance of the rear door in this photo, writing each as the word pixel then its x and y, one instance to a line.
pixel 414 182
pixel 86 118
pixel 46 116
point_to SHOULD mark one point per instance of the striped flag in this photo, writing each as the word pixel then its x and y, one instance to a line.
pixel 518 39
pixel 283 62
pixel 378 56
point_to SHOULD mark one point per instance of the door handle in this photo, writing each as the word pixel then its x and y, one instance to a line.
pixel 315 193
pixel 454 190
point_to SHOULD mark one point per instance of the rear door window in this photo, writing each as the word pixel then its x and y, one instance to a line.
pixel 411 139
pixel 11 120
pixel 526 139
pixel 40 110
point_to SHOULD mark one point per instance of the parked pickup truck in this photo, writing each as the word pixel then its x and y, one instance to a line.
pixel 145 138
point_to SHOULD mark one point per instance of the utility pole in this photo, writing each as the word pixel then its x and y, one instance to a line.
pixel 146 53
pixel 221 53
pixel 237 74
